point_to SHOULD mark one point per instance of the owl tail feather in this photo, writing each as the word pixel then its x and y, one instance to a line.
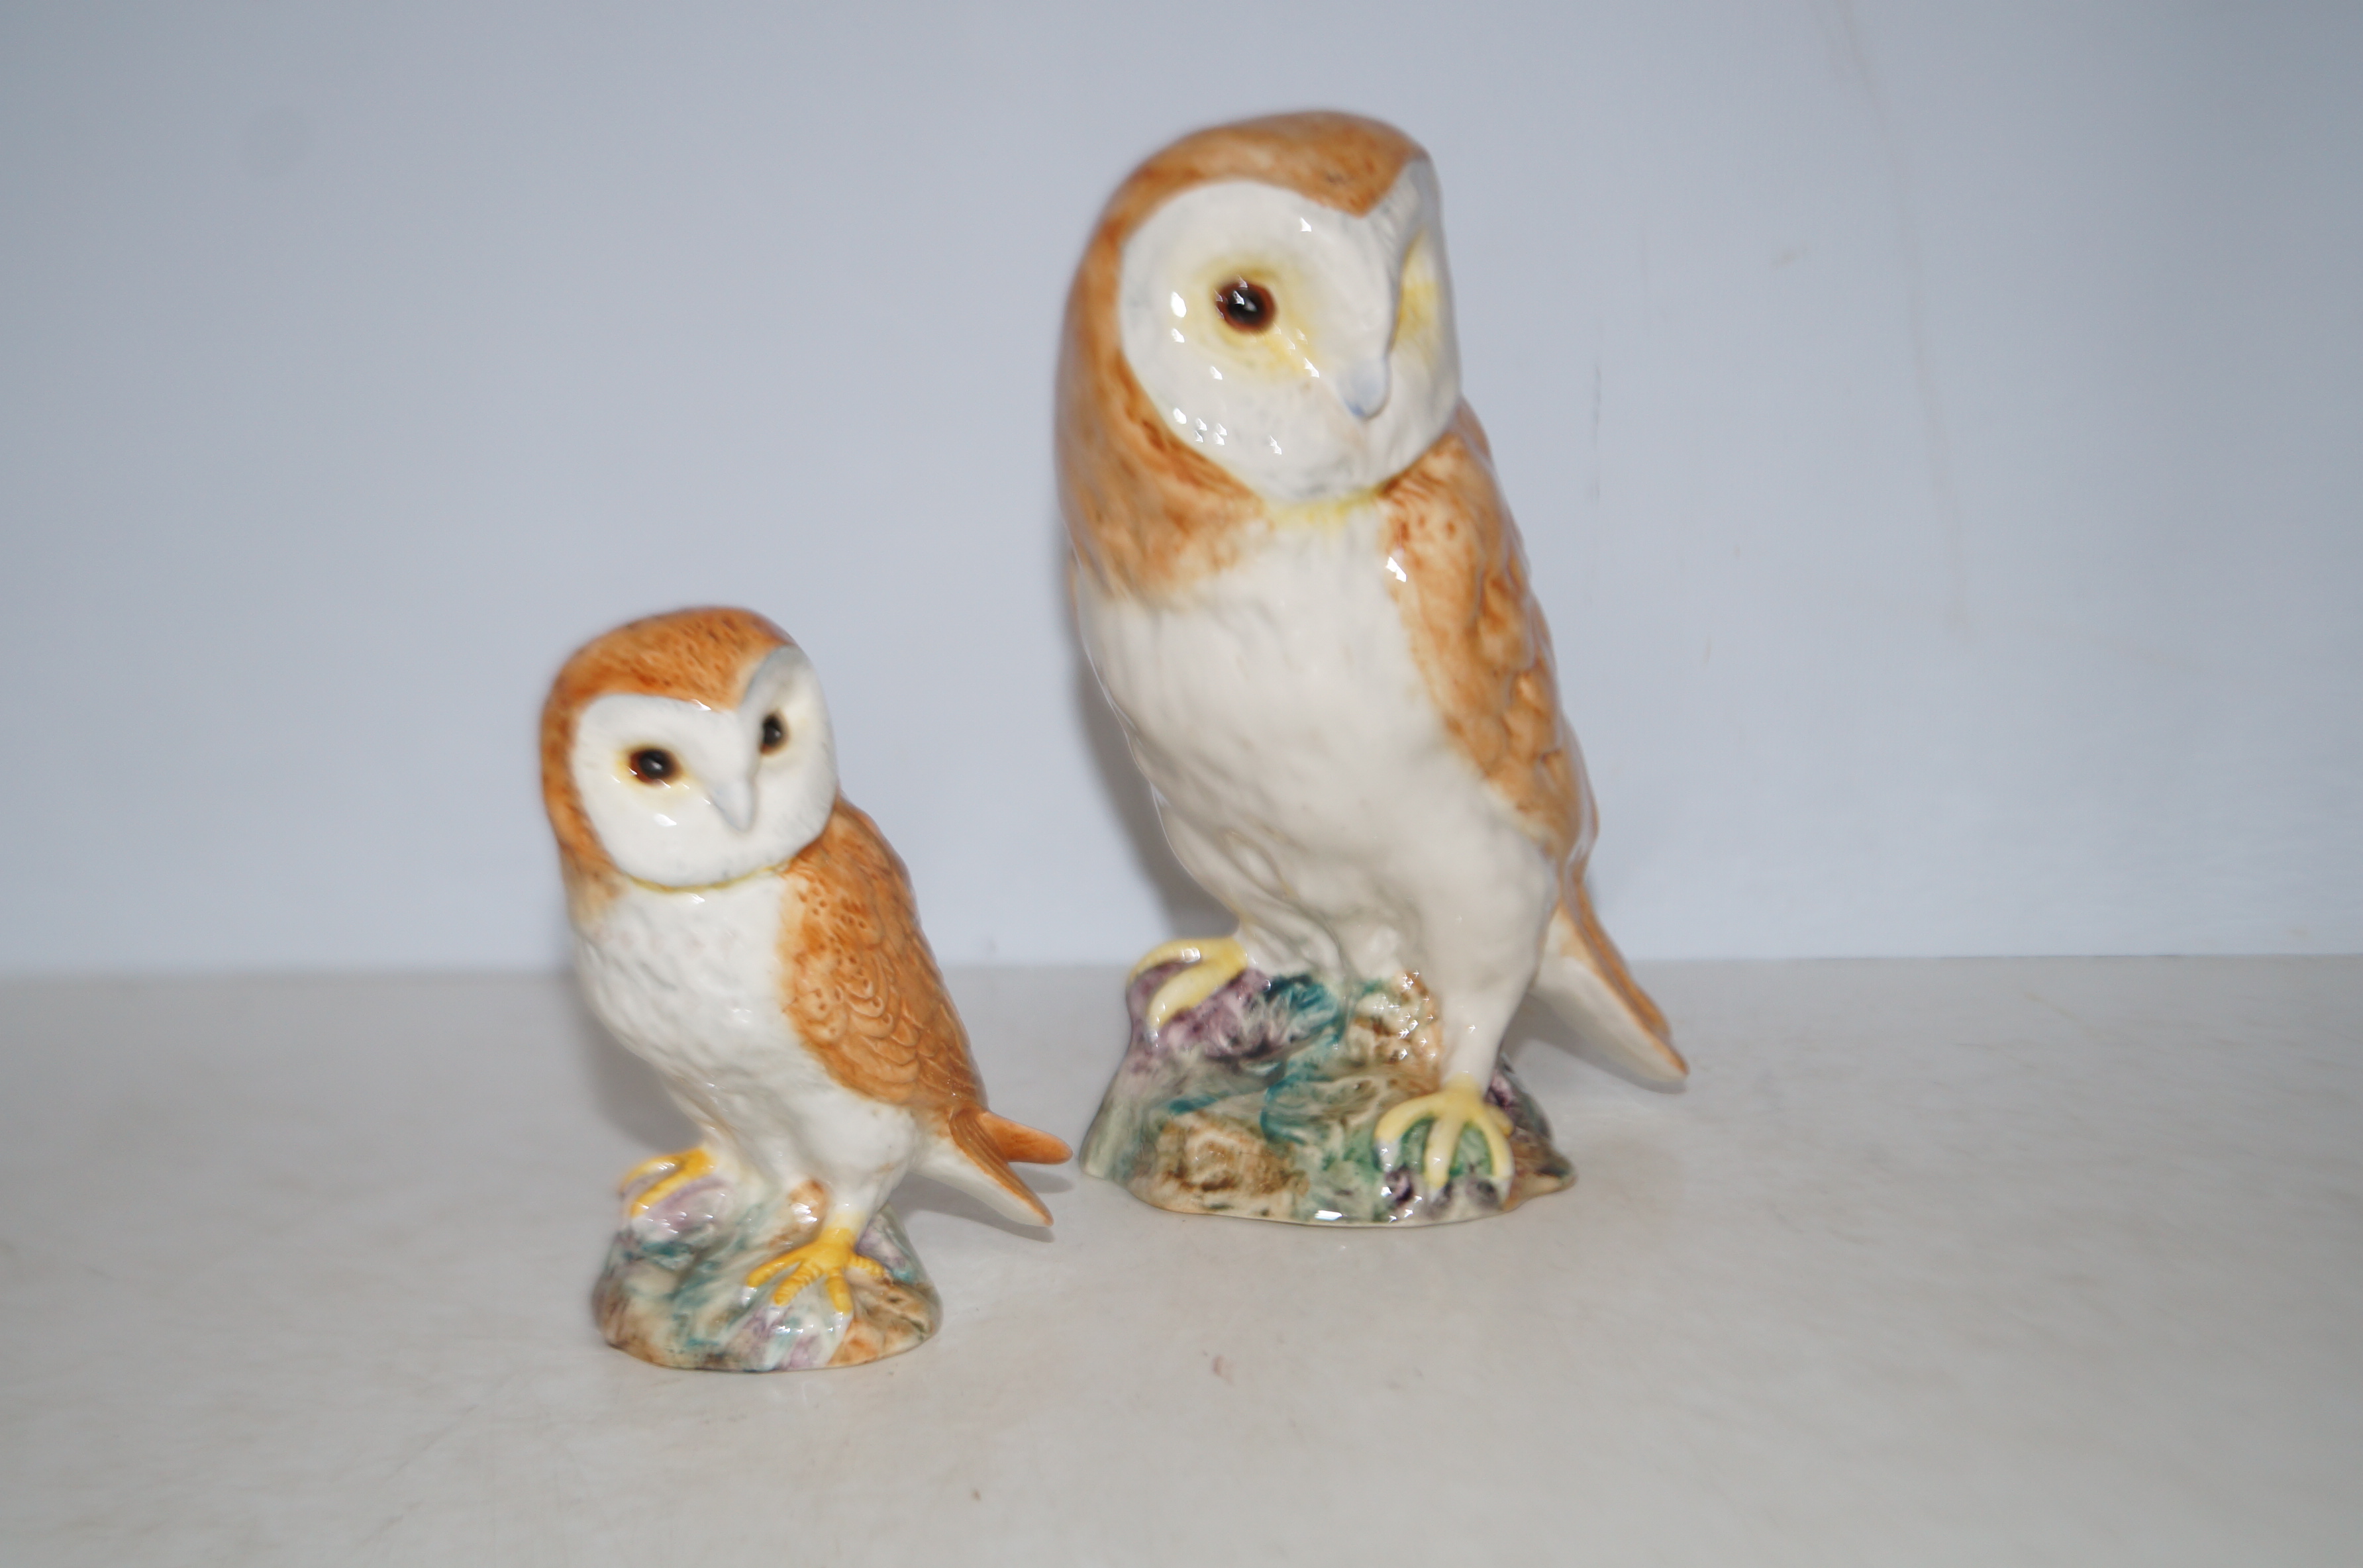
pixel 1024 1144
pixel 1584 979
pixel 974 1156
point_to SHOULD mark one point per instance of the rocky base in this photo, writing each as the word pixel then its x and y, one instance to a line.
pixel 674 1289
pixel 1262 1102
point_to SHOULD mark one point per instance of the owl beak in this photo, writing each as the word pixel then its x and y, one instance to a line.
pixel 1363 381
pixel 1363 388
pixel 734 798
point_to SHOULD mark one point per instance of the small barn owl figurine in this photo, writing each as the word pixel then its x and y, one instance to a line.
pixel 1300 588
pixel 746 930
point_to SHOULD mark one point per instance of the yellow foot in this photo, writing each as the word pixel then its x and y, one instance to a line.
pixel 1214 962
pixel 826 1257
pixel 1458 1104
pixel 672 1172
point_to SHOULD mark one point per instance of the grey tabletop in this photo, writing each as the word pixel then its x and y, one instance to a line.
pixel 1934 1261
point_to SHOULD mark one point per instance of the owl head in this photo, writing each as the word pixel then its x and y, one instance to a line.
pixel 686 749
pixel 1264 311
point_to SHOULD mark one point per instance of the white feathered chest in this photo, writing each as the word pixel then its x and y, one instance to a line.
pixel 1278 710
pixel 694 982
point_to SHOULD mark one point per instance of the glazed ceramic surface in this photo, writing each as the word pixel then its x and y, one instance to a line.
pixel 674 1289
pixel 750 935
pixel 1265 1102
pixel 1302 590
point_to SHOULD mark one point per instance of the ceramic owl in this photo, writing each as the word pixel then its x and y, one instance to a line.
pixel 747 933
pixel 1301 590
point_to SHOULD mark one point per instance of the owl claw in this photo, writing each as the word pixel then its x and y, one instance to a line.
pixel 672 1172
pixel 826 1257
pixel 1213 962
pixel 1458 1104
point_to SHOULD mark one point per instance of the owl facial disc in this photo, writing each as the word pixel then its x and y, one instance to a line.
pixel 683 795
pixel 1308 351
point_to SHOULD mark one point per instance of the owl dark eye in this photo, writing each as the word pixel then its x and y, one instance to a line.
pixel 654 765
pixel 775 732
pixel 1246 305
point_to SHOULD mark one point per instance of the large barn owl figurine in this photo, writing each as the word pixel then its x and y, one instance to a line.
pixel 1302 592
pixel 748 932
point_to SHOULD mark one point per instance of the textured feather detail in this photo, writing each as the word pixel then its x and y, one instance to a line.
pixel 1479 638
pixel 977 1142
pixel 1459 579
pixel 1027 1145
pixel 862 988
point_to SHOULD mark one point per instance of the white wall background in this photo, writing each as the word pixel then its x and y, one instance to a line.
pixel 1938 431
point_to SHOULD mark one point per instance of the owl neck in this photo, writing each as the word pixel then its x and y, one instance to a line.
pixel 1150 518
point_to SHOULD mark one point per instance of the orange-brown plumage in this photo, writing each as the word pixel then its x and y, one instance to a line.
pixel 1478 636
pixel 1146 512
pixel 1176 549
pixel 867 999
pixel 1592 947
pixel 1481 642
pixel 751 936
pixel 702 655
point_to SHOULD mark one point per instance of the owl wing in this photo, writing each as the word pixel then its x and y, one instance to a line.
pixel 1459 579
pixel 865 996
pixel 862 988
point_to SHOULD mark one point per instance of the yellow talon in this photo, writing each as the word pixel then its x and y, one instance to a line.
pixel 1214 962
pixel 672 1172
pixel 826 1257
pixel 1181 950
pixel 1458 1104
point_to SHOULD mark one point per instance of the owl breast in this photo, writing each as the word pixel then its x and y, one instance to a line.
pixel 691 981
pixel 1304 776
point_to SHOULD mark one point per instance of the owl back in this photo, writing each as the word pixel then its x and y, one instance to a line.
pixel 859 981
